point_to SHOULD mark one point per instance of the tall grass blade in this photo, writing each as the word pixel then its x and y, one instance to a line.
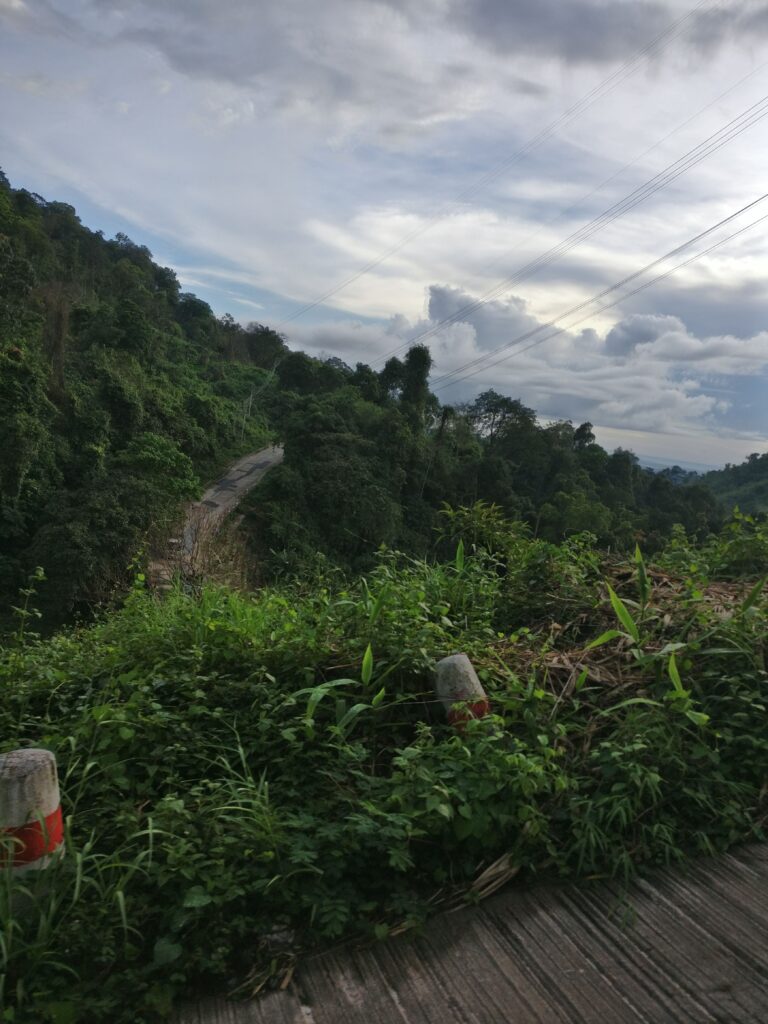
pixel 623 615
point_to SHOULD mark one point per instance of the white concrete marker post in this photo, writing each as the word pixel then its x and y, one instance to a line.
pixel 456 682
pixel 30 810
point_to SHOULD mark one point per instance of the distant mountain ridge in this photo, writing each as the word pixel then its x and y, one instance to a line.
pixel 655 463
pixel 745 485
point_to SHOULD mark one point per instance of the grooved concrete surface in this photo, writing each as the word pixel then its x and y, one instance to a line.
pixel 222 497
pixel 690 946
pixel 241 477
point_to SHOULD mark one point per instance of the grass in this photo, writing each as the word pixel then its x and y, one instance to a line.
pixel 245 777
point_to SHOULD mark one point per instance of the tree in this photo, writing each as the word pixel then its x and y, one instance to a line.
pixel 415 381
pixel 492 415
pixel 368 382
pixel 17 279
pixel 392 377
pixel 298 372
pixel 265 346
pixel 134 329
pixel 583 437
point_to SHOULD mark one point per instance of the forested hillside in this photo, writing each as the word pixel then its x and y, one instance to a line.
pixel 745 485
pixel 118 391
pixel 371 458
pixel 121 393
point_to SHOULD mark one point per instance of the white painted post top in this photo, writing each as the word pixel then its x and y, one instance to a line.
pixel 29 786
pixel 456 679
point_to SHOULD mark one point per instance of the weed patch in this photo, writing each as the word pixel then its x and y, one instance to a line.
pixel 246 777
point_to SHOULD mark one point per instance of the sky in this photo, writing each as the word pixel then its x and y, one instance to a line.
pixel 357 173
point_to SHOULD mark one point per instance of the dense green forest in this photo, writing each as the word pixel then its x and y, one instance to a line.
pixel 745 485
pixel 121 394
pixel 371 459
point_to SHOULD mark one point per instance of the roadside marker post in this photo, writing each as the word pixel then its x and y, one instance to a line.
pixel 30 810
pixel 456 682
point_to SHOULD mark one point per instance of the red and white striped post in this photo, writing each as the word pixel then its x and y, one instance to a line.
pixel 456 682
pixel 30 810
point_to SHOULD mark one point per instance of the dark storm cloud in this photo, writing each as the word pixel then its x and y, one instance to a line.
pixel 601 31
pixel 636 330
pixel 738 308
pixel 576 31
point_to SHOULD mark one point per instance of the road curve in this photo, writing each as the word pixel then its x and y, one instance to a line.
pixel 223 496
pixel 204 517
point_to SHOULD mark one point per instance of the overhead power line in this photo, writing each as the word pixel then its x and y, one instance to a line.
pixel 450 379
pixel 627 69
pixel 727 133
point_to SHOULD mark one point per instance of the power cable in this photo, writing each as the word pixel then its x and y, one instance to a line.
pixel 732 130
pixel 447 382
pixel 584 103
pixel 496 289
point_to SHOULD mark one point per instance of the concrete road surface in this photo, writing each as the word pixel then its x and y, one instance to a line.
pixel 684 946
pixel 222 497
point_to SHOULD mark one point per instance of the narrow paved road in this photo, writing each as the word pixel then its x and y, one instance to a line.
pixel 204 517
pixel 222 497
pixel 687 946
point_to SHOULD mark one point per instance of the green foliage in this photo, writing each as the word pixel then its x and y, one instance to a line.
pixel 246 777
pixel 740 549
pixel 99 348
pixel 118 395
pixel 744 485
pixel 371 460
pixel 249 776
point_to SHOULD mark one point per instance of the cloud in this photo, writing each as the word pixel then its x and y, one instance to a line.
pixel 492 322
pixel 43 18
pixel 42 85
pixel 665 339
pixel 646 373
pixel 352 341
pixel 368 66
pixel 625 336
pixel 726 304
pixel 604 31
pixel 269 151
pixel 245 302
pixel 578 31
pixel 386 67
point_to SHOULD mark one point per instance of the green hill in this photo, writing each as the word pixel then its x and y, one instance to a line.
pixel 120 393
pixel 745 485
